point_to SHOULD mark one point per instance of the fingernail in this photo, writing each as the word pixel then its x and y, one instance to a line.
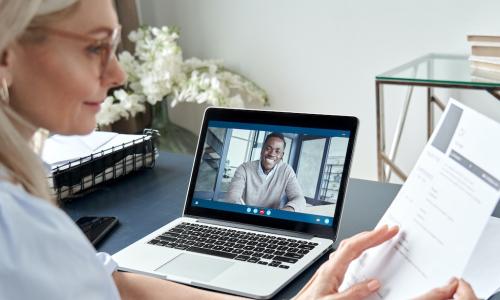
pixel 373 285
pixel 383 227
pixel 452 280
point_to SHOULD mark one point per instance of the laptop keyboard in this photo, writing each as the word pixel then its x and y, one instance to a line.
pixel 233 244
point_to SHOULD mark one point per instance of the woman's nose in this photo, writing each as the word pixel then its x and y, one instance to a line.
pixel 114 74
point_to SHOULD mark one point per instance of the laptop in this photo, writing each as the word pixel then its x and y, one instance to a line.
pixel 264 202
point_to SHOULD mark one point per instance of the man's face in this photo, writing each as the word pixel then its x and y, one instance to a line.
pixel 271 153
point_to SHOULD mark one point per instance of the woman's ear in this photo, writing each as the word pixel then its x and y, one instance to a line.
pixel 6 66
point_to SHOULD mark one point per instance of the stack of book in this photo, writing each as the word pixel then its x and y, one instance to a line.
pixel 485 57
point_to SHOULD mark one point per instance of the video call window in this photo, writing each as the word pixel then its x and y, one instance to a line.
pixel 316 161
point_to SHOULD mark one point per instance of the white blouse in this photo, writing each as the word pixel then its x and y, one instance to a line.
pixel 44 255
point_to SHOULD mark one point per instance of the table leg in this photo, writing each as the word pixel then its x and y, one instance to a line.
pixel 399 131
pixel 430 112
pixel 379 100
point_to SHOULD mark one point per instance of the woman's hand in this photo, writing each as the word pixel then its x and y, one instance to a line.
pixel 327 280
pixel 457 289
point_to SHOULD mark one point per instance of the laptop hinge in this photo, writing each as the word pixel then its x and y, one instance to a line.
pixel 257 228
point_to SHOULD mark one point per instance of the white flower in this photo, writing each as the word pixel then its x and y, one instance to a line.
pixel 109 112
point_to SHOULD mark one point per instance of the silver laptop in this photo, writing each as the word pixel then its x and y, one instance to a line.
pixel 264 202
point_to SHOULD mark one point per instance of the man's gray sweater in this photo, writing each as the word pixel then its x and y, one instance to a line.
pixel 249 188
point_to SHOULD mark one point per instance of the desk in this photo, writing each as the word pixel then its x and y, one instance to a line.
pixel 151 198
pixel 430 71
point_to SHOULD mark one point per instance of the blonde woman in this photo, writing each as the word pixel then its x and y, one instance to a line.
pixel 56 64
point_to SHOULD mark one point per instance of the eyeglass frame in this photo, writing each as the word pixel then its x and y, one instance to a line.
pixel 110 42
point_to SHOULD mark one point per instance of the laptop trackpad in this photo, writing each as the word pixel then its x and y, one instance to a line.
pixel 195 267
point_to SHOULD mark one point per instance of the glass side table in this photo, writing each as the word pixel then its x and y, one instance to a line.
pixel 432 70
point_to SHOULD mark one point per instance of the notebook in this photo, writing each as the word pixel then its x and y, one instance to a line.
pixel 264 202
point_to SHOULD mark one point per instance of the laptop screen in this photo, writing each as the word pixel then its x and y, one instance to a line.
pixel 271 171
pixel 275 170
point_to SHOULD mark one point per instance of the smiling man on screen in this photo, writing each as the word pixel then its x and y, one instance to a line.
pixel 268 182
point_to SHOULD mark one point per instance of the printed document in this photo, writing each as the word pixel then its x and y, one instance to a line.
pixel 442 209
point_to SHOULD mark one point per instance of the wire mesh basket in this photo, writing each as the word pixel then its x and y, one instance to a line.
pixel 82 175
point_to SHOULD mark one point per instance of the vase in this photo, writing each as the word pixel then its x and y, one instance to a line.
pixel 173 138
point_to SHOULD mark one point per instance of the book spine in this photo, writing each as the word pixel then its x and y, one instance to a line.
pixel 485 59
pixel 486 51
pixel 483 39
pixel 489 75
pixel 485 66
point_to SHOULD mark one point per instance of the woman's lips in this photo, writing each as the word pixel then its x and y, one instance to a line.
pixel 93 105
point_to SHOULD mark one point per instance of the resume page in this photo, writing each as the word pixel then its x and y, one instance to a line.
pixel 441 209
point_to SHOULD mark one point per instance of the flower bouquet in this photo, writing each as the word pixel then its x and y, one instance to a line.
pixel 158 74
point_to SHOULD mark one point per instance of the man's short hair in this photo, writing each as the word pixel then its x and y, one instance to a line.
pixel 276 135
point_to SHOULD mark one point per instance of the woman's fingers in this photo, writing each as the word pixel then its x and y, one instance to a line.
pixel 358 291
pixel 352 248
pixel 465 291
pixel 441 293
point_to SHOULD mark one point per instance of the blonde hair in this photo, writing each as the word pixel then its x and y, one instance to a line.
pixel 16 152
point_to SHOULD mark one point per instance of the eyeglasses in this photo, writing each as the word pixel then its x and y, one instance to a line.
pixel 105 47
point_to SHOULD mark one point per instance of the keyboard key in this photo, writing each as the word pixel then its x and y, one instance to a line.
pixel 293 255
pixel 306 247
pixel 242 257
pixel 274 264
pixel 253 259
pixel 267 256
pixel 171 234
pixel 284 266
pixel 285 259
pixel 211 252
pixel 180 247
pixel 262 262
